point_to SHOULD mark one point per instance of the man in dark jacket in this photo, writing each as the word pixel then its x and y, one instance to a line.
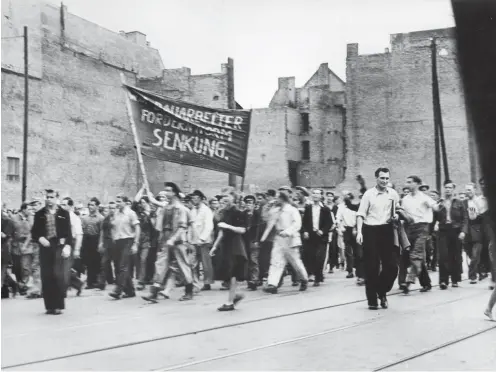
pixel 453 227
pixel 316 224
pixel 52 230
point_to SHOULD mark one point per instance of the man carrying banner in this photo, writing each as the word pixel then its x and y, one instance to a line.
pixel 171 241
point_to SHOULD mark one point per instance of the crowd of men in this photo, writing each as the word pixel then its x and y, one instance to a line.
pixel 172 240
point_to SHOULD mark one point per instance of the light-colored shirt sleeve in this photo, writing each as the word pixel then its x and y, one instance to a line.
pixel 208 223
pixel 430 202
pixel 76 225
pixel 364 205
pixel 133 217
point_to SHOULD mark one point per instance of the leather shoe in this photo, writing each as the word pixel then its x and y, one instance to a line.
pixel 384 302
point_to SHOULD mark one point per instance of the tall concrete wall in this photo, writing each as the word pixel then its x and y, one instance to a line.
pixel 390 112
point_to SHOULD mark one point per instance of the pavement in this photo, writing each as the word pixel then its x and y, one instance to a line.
pixel 325 328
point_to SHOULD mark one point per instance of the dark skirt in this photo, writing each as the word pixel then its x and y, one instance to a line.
pixel 233 260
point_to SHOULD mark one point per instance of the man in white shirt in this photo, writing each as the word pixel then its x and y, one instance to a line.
pixel 287 243
pixel 200 236
pixel 346 219
pixel 376 232
pixel 71 277
pixel 419 207
pixel 473 244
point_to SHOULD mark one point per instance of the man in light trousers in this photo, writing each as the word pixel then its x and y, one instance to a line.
pixel 287 243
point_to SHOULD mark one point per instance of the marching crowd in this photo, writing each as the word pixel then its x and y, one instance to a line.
pixel 174 240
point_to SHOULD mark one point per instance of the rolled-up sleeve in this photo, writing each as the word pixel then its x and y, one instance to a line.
pixel 364 205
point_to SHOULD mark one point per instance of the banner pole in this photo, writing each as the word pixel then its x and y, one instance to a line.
pixel 135 133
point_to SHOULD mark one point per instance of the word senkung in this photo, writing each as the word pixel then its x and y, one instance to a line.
pixel 193 144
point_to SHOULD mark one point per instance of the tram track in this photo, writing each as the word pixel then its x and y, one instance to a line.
pixel 212 329
pixel 311 336
pixel 433 349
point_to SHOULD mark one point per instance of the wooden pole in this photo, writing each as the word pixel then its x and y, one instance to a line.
pixel 437 112
pixel 26 115
pixel 135 133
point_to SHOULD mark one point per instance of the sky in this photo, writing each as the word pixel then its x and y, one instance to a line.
pixel 267 39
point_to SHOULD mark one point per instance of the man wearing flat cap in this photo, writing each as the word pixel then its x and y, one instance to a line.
pixel 200 234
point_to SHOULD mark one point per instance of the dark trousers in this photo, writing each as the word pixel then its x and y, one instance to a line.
pixel 21 268
pixel 404 263
pixel 474 247
pixel 139 263
pixel 264 259
pixel 417 235
pixel 122 257
pixel 52 276
pixel 450 255
pixel 106 270
pixel 380 261
pixel 333 251
pixel 353 253
pixel 314 252
pixel 91 258
pixel 431 249
pixel 152 257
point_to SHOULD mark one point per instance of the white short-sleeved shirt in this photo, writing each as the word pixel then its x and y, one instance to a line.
pixel 376 206
pixel 419 207
pixel 124 224
pixel 76 224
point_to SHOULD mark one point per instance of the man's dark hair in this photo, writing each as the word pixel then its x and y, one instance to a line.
pixel 70 202
pixel 52 191
pixel 447 182
pixel 272 193
pixel 124 198
pixel 174 187
pixel 379 170
pixel 96 201
pixel 415 179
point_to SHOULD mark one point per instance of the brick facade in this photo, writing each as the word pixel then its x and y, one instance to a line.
pixel 80 140
pixel 390 110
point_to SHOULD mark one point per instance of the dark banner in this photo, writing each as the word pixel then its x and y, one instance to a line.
pixel 181 132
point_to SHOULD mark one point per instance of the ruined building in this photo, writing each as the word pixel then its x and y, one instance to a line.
pixel 302 139
pixel 389 106
pixel 80 141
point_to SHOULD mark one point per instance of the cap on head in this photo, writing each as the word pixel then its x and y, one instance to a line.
pixel 285 188
pixel 303 190
pixel 424 187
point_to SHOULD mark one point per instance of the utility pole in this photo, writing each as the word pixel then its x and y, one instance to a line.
pixel 437 117
pixel 231 104
pixel 26 114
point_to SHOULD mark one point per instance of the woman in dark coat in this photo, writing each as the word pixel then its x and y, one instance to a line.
pixel 231 229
